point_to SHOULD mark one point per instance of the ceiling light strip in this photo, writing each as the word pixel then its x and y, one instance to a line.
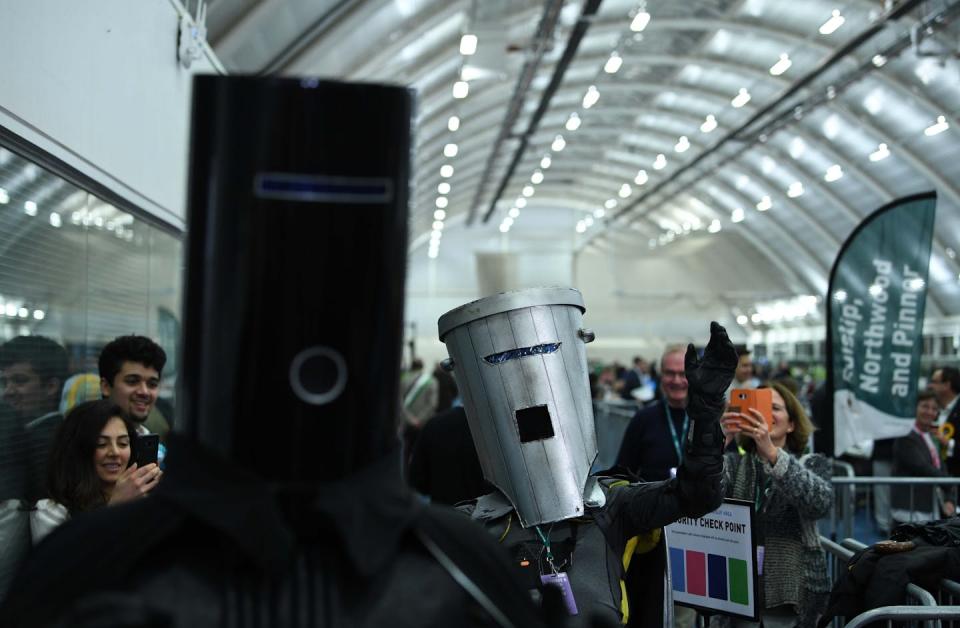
pixel 576 36
pixel 872 30
pixel 542 40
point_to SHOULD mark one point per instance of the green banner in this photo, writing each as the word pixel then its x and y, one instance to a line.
pixel 877 296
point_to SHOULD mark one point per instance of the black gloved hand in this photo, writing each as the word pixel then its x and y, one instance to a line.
pixel 708 380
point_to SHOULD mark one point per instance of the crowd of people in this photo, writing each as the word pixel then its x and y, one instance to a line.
pixel 66 446
pixel 770 461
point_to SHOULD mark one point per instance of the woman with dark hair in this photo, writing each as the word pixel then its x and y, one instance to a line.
pixel 790 491
pixel 89 466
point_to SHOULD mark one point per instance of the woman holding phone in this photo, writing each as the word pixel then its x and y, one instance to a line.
pixel 89 466
pixel 790 491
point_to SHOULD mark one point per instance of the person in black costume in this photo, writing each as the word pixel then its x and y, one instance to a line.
pixel 283 503
pixel 520 363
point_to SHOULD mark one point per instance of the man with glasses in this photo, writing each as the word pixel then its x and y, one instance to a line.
pixel 653 443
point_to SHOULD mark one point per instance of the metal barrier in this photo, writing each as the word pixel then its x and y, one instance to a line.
pixel 853 495
pixel 844 500
pixel 948 589
pixel 923 601
pixel 905 613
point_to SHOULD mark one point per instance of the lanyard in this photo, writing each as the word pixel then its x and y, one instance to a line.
pixel 677 442
pixel 546 546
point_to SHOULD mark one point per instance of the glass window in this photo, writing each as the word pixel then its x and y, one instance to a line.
pixel 75 272
pixel 946 346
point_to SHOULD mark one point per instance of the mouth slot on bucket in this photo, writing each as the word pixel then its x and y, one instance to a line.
pixel 534 423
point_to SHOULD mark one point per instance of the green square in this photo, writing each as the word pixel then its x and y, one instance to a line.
pixel 737 571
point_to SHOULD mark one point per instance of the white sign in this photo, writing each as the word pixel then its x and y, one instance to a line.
pixel 712 560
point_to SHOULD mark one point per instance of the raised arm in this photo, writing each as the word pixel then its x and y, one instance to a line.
pixel 697 489
pixel 699 476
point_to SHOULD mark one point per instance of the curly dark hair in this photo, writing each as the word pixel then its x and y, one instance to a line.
pixel 71 477
pixel 47 358
pixel 139 349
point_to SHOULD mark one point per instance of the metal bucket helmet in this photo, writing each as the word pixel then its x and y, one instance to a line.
pixel 521 366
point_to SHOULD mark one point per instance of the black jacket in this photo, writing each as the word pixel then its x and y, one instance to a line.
pixel 872 580
pixel 648 449
pixel 911 458
pixel 214 547
pixel 444 464
pixel 953 462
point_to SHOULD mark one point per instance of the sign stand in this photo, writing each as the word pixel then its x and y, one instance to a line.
pixel 713 561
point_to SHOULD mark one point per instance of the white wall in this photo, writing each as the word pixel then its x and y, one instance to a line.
pixel 98 85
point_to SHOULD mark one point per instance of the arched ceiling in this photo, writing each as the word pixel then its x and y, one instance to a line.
pixel 779 180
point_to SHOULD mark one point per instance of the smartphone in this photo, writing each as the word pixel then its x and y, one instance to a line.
pixel 145 449
pixel 760 399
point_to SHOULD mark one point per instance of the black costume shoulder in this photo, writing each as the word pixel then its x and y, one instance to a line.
pixel 213 548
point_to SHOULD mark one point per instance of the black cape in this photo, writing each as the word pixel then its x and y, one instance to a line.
pixel 214 546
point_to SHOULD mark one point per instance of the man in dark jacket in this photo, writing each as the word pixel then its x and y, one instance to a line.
pixel 918 455
pixel 652 446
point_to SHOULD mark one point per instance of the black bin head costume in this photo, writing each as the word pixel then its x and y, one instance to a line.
pixel 282 497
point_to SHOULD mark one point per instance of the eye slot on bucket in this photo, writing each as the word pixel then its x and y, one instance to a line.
pixel 534 423
pixel 523 352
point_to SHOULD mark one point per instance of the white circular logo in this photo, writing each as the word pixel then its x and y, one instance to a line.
pixel 310 361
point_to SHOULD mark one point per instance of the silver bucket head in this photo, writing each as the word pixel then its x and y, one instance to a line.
pixel 521 366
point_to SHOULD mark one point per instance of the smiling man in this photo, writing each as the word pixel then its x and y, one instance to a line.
pixel 32 372
pixel 130 369
pixel 917 455
pixel 653 443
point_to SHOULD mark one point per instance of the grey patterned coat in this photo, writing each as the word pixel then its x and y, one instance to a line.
pixel 798 493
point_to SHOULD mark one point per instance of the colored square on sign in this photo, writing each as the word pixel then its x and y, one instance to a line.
pixel 717 576
pixel 696 573
pixel 739 592
pixel 678 575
